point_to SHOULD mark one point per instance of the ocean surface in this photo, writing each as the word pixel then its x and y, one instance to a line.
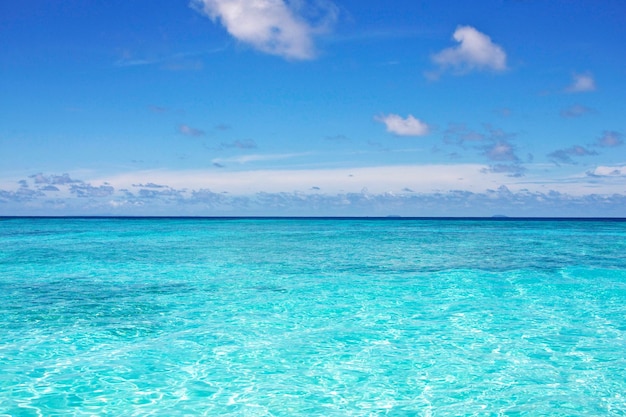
pixel 312 317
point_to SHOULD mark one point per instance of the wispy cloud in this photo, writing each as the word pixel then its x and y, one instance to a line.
pixel 420 178
pixel 409 126
pixel 128 62
pixel 475 51
pixel 459 134
pixel 581 83
pixel 222 126
pixel 190 131
pixel 576 110
pixel 565 155
pixel 149 185
pixel 275 27
pixel 501 150
pixel 610 139
pixel 174 62
pixel 244 159
pixel 239 144
pixel 158 109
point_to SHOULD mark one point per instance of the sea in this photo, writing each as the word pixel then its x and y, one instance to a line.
pixel 312 317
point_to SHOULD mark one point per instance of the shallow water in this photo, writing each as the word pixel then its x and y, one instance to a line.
pixel 304 317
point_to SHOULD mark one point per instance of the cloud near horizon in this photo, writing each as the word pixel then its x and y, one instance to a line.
pixel 409 126
pixel 328 192
pixel 608 171
pixel 475 51
pixel 271 26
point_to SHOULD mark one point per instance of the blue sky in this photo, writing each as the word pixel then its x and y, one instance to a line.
pixel 313 107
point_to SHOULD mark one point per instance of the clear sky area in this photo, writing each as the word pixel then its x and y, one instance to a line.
pixel 313 107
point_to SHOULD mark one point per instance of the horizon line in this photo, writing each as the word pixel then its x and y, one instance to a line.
pixel 389 217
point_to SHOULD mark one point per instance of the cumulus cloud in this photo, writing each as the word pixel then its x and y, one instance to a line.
pixel 190 131
pixel 581 83
pixel 500 150
pixel 475 51
pixel 167 192
pixel 575 111
pixel 405 190
pixel 608 171
pixel 49 188
pixel 88 190
pixel 455 202
pixel 493 143
pixel 276 27
pixel 565 155
pixel 460 134
pixel 610 139
pixel 21 195
pixel 53 179
pixel 404 127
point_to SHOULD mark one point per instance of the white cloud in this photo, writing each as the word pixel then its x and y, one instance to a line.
pixel 271 26
pixel 452 189
pixel 582 83
pixel 608 171
pixel 244 159
pixel 190 131
pixel 377 179
pixel 404 127
pixel 475 51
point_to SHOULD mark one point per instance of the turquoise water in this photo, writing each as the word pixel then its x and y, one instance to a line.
pixel 289 317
